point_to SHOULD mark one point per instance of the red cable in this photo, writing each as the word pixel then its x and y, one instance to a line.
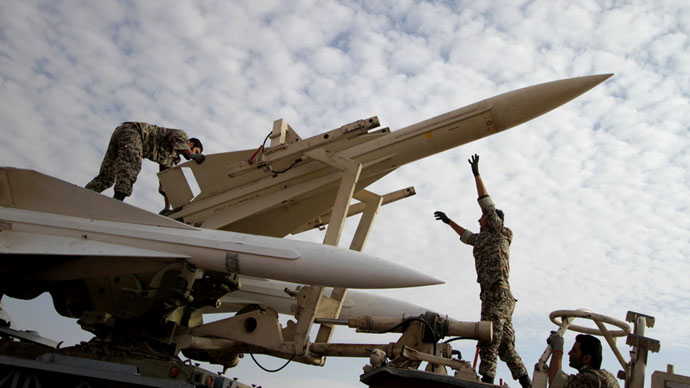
pixel 251 159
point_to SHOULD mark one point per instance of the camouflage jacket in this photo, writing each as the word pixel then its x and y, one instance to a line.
pixel 587 378
pixel 491 248
pixel 161 144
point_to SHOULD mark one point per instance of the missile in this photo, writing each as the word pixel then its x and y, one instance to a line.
pixel 271 293
pixel 280 193
pixel 94 241
pixel 476 121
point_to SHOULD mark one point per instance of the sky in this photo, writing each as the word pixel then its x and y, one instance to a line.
pixel 595 191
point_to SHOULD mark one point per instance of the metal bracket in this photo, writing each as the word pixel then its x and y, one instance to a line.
pixel 632 316
pixel 648 343
pixel 279 150
pixel 283 134
pixel 416 355
pixel 258 327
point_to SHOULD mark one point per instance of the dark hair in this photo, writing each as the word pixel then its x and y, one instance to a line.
pixel 197 143
pixel 499 213
pixel 592 346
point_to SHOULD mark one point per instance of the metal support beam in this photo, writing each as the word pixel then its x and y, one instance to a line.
pixel 641 346
pixel 351 170
pixel 372 205
pixel 312 299
pixel 612 343
pixel 540 378
pixel 356 208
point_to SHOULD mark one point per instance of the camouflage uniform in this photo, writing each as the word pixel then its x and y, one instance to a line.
pixel 129 144
pixel 587 378
pixel 491 259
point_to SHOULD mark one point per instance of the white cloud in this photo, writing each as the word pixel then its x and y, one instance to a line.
pixel 595 191
pixel 331 61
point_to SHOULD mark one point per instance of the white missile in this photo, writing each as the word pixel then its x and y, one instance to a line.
pixel 271 293
pixel 99 243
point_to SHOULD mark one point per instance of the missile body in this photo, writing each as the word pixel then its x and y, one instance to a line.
pixel 270 293
pixel 284 202
pixel 91 243
pixel 469 123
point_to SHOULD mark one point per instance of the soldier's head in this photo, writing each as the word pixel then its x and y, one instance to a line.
pixel 586 351
pixel 195 146
pixel 484 221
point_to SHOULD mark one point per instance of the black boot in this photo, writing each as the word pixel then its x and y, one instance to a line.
pixel 525 381
pixel 119 196
pixel 487 379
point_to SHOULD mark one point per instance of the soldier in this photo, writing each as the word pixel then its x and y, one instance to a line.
pixel 491 259
pixel 129 144
pixel 585 356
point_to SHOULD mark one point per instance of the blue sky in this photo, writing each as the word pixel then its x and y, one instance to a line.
pixel 596 191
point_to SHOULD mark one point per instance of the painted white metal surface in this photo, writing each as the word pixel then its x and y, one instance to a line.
pixel 270 293
pixel 33 232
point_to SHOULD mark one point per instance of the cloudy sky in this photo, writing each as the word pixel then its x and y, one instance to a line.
pixel 595 192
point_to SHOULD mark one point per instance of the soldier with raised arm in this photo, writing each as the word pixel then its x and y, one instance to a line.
pixel 491 258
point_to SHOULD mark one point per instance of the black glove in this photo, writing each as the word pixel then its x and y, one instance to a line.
pixel 474 162
pixel 442 216
pixel 198 158
pixel 556 342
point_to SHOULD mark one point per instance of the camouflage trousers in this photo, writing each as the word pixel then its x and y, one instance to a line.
pixel 497 306
pixel 122 161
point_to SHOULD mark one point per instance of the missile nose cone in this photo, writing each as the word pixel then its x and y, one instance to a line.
pixel 392 275
pixel 350 269
pixel 321 265
pixel 518 106
pixel 362 270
